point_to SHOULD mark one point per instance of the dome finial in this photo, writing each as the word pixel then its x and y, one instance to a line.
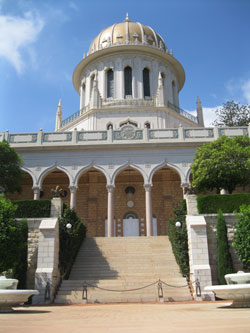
pixel 127 18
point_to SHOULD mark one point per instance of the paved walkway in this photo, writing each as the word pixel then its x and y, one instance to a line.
pixel 113 318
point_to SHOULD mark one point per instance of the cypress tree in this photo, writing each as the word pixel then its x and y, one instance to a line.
pixel 224 259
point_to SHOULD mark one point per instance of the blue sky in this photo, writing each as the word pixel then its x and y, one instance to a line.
pixel 41 42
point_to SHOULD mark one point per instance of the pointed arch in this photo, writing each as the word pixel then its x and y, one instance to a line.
pixel 34 179
pixel 124 166
pixel 187 177
pixel 165 163
pixel 49 170
pixel 86 168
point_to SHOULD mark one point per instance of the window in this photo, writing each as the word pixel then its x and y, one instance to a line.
pixel 146 84
pixel 128 81
pixel 109 126
pixel 147 125
pixel 110 83
pixel 163 78
pixel 173 92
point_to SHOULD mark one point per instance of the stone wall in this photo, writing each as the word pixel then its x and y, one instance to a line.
pixel 231 221
pixel 33 237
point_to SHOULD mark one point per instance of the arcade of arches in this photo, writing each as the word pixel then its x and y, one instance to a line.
pixel 126 204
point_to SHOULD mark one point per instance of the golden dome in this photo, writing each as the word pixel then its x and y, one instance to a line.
pixel 127 32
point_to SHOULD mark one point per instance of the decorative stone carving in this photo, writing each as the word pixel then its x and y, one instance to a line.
pixel 128 133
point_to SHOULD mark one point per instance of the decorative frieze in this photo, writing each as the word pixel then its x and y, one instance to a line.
pixel 128 133
pixel 22 138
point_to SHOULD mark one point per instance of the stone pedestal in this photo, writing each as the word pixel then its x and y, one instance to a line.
pixel 47 275
pixel 56 207
pixel 198 255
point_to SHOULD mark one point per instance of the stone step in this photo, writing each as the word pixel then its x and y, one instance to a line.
pixel 122 264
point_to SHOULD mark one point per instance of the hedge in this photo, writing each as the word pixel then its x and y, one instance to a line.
pixel 70 240
pixel 178 237
pixel 32 208
pixel 228 203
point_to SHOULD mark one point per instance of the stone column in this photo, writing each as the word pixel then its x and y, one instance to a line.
pixel 110 189
pixel 36 190
pixel 73 190
pixel 149 219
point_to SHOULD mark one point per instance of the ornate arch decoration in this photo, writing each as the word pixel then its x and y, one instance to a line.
pixel 52 168
pixel 110 125
pixel 34 179
pixel 86 168
pixel 124 166
pixel 128 122
pixel 173 166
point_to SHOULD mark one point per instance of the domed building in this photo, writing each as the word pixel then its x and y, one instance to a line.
pixel 122 159
pixel 122 162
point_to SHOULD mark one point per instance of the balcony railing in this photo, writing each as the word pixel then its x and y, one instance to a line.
pixel 183 112
pixel 109 103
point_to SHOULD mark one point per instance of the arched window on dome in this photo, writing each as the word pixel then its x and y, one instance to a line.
pixel 163 78
pixel 147 124
pixel 174 93
pixel 128 81
pixel 110 83
pixel 92 78
pixel 146 83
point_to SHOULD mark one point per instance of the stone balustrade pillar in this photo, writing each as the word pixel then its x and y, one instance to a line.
pixel 149 219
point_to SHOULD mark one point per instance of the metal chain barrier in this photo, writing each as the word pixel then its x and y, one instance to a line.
pixel 158 282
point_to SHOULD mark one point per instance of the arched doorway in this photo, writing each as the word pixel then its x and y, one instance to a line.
pixel 130 225
pixel 91 201
pixel 166 193
pixel 52 179
pixel 129 203
pixel 27 191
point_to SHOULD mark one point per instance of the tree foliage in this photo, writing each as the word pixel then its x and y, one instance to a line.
pixel 242 236
pixel 222 164
pixel 10 172
pixel 233 114
pixel 224 259
pixel 13 241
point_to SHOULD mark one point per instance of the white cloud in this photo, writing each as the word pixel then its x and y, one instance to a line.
pixel 16 35
pixel 208 115
pixel 73 6
pixel 239 90
pixel 246 90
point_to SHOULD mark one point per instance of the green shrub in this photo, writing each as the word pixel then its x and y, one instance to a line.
pixel 70 240
pixel 13 242
pixel 228 203
pixel 32 208
pixel 242 236
pixel 224 259
pixel 178 237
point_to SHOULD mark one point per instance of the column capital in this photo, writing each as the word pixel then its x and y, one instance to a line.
pixel 183 185
pixel 110 188
pixel 36 188
pixel 148 187
pixel 73 188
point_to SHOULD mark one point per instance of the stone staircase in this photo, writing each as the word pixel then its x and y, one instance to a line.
pixel 120 263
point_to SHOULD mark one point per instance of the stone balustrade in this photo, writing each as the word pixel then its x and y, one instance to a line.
pixel 127 134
